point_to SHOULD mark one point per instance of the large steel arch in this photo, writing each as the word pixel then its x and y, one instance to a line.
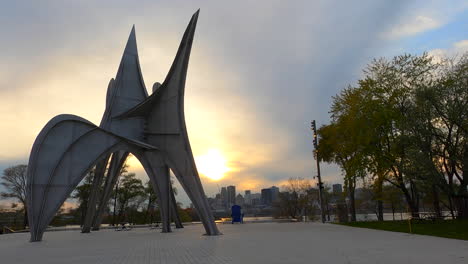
pixel 65 150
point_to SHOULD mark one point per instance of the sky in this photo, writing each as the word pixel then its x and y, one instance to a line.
pixel 259 71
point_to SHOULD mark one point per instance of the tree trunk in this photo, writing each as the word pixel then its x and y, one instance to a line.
pixel 462 197
pixel 450 200
pixel 115 202
pixel 25 220
pixel 148 208
pixel 415 199
pixel 413 207
pixel 352 202
pixel 393 211
pixel 380 181
pixel 436 201
pixel 461 203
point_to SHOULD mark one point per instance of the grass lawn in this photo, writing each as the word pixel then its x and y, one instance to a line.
pixel 449 228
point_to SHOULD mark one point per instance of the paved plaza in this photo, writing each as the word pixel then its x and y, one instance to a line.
pixel 248 243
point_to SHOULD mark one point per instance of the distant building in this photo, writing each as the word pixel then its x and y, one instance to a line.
pixel 224 196
pixel 247 197
pixel 240 200
pixel 266 196
pixel 255 199
pixel 274 193
pixel 270 195
pixel 337 188
pixel 231 195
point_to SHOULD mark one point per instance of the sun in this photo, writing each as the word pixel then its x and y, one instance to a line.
pixel 212 164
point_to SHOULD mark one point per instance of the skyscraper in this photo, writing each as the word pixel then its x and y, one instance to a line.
pixel 231 195
pixel 248 197
pixel 240 200
pixel 270 195
pixel 224 196
pixel 274 193
pixel 266 196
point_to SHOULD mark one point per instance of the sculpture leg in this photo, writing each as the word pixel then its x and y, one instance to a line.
pixel 95 189
pixel 163 186
pixel 181 162
pixel 158 172
pixel 192 186
pixel 175 214
pixel 117 161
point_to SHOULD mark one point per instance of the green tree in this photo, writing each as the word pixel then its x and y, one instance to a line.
pixel 82 193
pixel 374 128
pixel 405 123
pixel 393 196
pixel 443 109
pixel 151 201
pixel 343 140
pixel 389 87
pixel 129 190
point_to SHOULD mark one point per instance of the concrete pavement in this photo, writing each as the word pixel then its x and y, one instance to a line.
pixel 248 243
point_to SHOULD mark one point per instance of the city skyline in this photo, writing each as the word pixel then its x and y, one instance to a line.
pixel 255 81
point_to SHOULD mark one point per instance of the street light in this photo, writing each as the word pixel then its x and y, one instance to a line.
pixel 320 183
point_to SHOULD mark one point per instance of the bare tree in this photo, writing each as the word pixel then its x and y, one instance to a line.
pixel 14 181
pixel 297 198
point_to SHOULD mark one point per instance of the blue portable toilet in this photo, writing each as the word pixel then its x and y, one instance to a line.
pixel 236 214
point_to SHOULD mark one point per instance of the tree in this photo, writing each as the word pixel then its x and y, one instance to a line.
pixel 405 123
pixel 14 180
pixel 343 141
pixel 151 200
pixel 129 189
pixel 328 196
pixel 389 87
pixel 393 196
pixel 392 125
pixel 298 198
pixel 444 106
pixel 82 193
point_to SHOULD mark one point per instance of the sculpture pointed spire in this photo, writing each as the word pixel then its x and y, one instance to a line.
pixel 175 78
pixel 180 64
pixel 131 47
pixel 129 88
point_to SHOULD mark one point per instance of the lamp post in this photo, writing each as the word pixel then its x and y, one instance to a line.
pixel 320 183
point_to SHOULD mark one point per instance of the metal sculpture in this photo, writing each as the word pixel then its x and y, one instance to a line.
pixel 150 127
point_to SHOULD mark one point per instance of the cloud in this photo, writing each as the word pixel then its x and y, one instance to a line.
pixel 422 16
pixel 413 26
pixel 456 49
pixel 461 46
